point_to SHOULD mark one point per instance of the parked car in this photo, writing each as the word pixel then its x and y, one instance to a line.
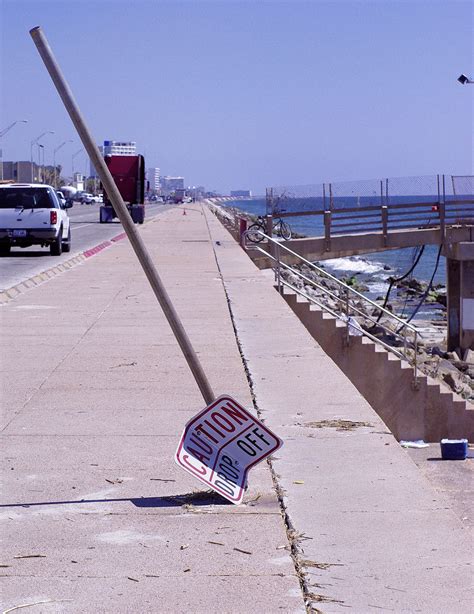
pixel 87 198
pixel 61 197
pixel 98 198
pixel 31 214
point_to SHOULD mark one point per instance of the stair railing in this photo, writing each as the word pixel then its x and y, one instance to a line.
pixel 341 301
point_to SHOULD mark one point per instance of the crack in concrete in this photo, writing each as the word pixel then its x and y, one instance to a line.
pixel 291 533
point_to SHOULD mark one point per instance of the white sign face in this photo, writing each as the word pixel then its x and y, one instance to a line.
pixel 222 443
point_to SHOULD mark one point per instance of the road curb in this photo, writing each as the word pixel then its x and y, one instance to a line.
pixel 12 293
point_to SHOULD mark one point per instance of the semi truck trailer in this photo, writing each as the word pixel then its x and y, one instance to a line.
pixel 129 176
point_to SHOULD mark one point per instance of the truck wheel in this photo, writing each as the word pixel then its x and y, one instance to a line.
pixel 67 243
pixel 56 247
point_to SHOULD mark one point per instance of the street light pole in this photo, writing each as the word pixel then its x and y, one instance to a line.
pixel 463 80
pixel 41 171
pixel 3 133
pixel 54 161
pixel 34 142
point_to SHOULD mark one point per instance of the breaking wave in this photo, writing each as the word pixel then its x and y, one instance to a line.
pixel 353 264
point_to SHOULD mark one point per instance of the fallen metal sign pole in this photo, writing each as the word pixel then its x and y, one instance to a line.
pixel 115 197
pixel 222 443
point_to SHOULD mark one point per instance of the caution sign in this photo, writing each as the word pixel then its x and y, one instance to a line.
pixel 222 443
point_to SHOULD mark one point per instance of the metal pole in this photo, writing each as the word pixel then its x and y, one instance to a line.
pixel 113 193
pixel 415 365
pixel 278 271
pixel 347 317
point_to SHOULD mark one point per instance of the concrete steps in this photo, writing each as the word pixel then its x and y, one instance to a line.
pixel 425 409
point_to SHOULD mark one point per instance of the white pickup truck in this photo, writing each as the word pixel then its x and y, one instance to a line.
pixel 31 214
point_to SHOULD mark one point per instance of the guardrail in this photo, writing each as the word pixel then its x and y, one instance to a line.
pixel 361 315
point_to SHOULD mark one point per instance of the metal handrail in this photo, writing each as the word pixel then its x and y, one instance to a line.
pixel 342 299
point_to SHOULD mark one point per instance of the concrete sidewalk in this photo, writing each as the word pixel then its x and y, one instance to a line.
pixel 97 516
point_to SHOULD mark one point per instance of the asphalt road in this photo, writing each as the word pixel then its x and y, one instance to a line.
pixel 87 232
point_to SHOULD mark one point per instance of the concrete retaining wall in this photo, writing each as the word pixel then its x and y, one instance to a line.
pixel 429 412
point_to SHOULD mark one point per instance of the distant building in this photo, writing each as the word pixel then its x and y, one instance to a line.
pixel 171 184
pixel 154 179
pixel 241 193
pixel 22 172
pixel 115 148
pixel 119 148
pixel 79 181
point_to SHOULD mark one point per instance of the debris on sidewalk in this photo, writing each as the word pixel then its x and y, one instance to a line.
pixel 418 443
pixel 340 425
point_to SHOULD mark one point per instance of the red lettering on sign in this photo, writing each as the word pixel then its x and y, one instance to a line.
pixel 202 470
pixel 234 413
pixel 223 422
pixel 200 427
pixel 200 443
pixel 197 454
pixel 209 424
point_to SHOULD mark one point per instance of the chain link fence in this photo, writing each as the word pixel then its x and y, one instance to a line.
pixel 386 191
pixel 462 186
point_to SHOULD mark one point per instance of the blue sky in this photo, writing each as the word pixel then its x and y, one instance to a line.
pixel 237 95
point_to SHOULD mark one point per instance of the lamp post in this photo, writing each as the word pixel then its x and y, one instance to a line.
pixel 463 80
pixel 54 160
pixel 41 166
pixel 3 133
pixel 34 142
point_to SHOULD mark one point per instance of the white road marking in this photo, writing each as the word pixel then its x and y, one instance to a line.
pixel 83 226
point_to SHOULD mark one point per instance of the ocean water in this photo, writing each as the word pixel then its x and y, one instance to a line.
pixel 372 270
